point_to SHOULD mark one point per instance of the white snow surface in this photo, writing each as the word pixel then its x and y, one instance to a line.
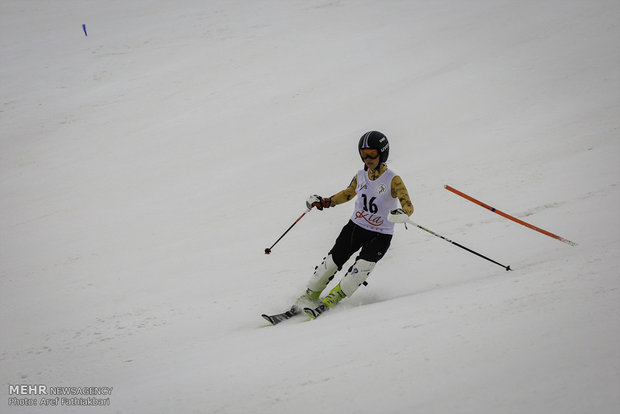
pixel 145 167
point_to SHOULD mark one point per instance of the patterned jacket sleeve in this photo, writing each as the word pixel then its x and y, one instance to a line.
pixel 347 194
pixel 400 191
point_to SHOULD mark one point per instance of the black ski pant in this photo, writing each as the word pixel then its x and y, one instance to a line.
pixel 352 238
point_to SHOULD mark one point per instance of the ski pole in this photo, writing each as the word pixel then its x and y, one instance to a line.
pixel 509 217
pixel 268 249
pixel 458 245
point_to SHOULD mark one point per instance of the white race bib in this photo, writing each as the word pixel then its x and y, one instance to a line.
pixel 374 202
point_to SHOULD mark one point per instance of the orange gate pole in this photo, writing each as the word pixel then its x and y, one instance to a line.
pixel 508 216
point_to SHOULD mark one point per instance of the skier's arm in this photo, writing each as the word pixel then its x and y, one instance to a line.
pixel 346 194
pixel 400 191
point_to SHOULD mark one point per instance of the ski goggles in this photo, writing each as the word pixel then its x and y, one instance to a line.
pixel 369 153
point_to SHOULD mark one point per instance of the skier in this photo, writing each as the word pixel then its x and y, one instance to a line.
pixel 370 228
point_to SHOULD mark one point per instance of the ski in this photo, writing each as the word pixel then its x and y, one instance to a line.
pixel 316 312
pixel 279 317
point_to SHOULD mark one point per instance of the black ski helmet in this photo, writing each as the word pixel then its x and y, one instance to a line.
pixel 375 140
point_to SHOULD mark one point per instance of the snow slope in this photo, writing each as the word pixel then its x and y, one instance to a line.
pixel 145 167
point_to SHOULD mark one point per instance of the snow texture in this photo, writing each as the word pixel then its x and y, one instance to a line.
pixel 145 167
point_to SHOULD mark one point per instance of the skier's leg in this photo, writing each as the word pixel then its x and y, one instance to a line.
pixel 343 249
pixel 321 277
pixel 347 243
pixel 373 249
pixel 357 274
